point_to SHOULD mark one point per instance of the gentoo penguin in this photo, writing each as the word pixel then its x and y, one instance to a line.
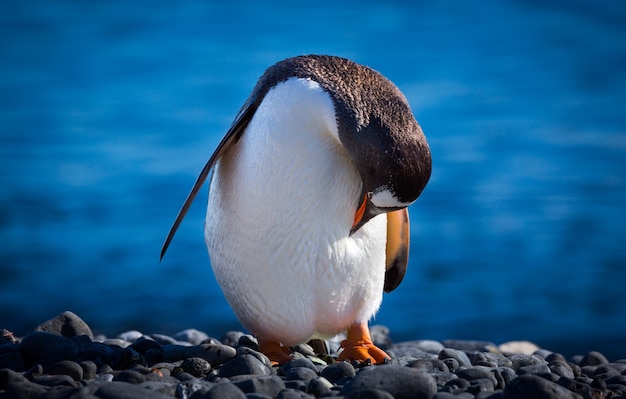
pixel 306 221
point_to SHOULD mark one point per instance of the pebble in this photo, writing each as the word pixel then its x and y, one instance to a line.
pixel 61 358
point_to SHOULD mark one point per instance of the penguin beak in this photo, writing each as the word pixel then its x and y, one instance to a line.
pixel 364 213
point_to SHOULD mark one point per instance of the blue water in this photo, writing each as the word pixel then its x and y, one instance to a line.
pixel 109 109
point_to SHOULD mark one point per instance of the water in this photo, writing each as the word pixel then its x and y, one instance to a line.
pixel 109 109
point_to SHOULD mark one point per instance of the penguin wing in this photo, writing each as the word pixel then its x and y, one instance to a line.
pixel 397 250
pixel 232 136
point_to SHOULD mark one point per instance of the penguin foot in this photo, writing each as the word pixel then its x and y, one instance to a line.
pixel 358 347
pixel 277 353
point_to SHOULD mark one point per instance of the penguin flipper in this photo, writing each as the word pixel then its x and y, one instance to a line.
pixel 397 249
pixel 232 136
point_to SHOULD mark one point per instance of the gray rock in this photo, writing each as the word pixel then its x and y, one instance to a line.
pixel 124 390
pixel 67 324
pixel 459 356
pixel 89 369
pixel 593 359
pixel 41 345
pixel 8 376
pixel 518 360
pixel 196 387
pixel 477 372
pixel 290 393
pixel 130 336
pixel 196 366
pixel 531 386
pixel 191 335
pixel 67 367
pixel 371 393
pixel 165 339
pixel 399 381
pixel 167 388
pixel 490 359
pixel 469 345
pixel 130 376
pixel 231 338
pixel 215 354
pixel 10 357
pixel 533 369
pixel 429 365
pixel 442 377
pixel 269 385
pixel 244 350
pixel 319 387
pixel 244 364
pixel 301 362
pixel 300 373
pixel 174 353
pixel 225 390
pixel 338 371
pixel 24 390
pixel 55 380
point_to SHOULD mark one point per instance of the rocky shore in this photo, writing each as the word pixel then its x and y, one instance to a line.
pixel 63 359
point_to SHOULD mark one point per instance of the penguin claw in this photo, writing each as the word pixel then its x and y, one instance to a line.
pixel 277 353
pixel 363 353
pixel 358 347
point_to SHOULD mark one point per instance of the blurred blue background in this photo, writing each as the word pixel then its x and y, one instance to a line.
pixel 108 110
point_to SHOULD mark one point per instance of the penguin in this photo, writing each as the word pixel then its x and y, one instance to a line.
pixel 307 220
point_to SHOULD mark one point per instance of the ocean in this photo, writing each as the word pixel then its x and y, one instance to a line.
pixel 108 110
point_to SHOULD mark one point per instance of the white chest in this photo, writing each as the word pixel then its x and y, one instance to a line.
pixel 281 206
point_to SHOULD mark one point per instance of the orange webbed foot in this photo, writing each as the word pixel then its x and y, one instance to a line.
pixel 358 347
pixel 277 353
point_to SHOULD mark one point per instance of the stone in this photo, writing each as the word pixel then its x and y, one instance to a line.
pixel 67 324
pixel 533 369
pixel 130 376
pixel 593 359
pixel 290 393
pixel 490 359
pixel 338 371
pixel 55 380
pixel 231 338
pixel 300 373
pixel 196 366
pixel 477 372
pixel 125 390
pixel 518 360
pixel 519 347
pixel 268 385
pixel 459 356
pixel 224 390
pixel 244 350
pixel 10 357
pixel 96 350
pixel 67 367
pixel 191 335
pixel 167 388
pixel 399 381
pixel 145 343
pixel 468 345
pixel 8 376
pixel 429 365
pixel 531 386
pixel 244 364
pixel 301 362
pixel 24 390
pixel 40 345
pixel 371 393
pixel 319 386
pixel 89 369
pixel 215 354
pixel 130 336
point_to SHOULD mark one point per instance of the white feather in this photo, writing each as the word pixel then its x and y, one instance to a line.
pixel 281 204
